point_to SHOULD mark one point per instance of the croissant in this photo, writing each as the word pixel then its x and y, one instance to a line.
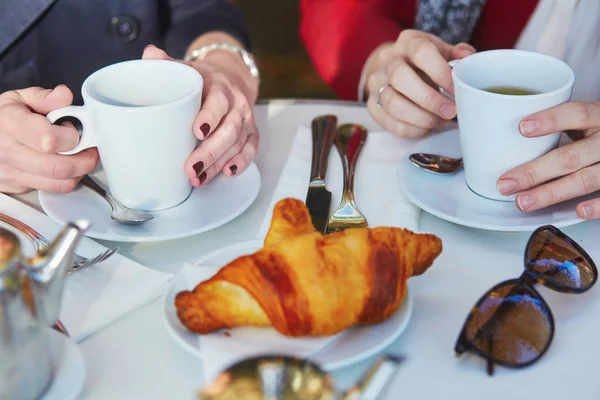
pixel 305 284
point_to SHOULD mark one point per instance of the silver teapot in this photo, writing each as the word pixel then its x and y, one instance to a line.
pixel 30 299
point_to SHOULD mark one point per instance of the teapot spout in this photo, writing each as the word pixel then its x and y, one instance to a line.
pixel 48 270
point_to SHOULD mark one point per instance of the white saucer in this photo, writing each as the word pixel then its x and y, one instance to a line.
pixel 69 375
pixel 449 198
pixel 349 347
pixel 218 202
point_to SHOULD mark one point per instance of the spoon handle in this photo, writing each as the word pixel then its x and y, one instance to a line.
pixel 376 380
pixel 89 182
pixel 349 140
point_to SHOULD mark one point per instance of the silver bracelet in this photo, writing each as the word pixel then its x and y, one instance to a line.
pixel 200 53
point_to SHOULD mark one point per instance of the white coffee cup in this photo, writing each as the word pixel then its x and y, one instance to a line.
pixel 139 114
pixel 489 122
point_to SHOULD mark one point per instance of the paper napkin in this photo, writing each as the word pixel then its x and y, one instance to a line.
pixel 98 295
pixel 376 189
pixel 219 350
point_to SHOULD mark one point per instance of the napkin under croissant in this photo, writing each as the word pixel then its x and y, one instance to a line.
pixel 303 283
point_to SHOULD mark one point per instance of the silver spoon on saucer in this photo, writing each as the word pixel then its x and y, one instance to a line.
pixel 436 163
pixel 120 213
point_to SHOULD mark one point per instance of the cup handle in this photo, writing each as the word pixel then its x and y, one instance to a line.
pixel 452 64
pixel 86 139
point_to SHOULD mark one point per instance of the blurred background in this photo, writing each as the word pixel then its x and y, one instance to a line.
pixel 286 70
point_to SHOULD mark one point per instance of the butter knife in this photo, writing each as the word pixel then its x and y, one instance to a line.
pixel 318 199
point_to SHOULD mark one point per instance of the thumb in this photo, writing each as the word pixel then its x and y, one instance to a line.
pixel 42 101
pixel 151 52
pixel 461 50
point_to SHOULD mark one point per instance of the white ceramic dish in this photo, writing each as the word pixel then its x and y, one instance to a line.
pixel 209 207
pixel 349 347
pixel 448 196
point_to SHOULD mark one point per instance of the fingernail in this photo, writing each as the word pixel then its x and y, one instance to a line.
pixel 587 210
pixel 528 127
pixel 148 46
pixel 202 177
pixel 233 169
pixel 525 202
pixel 205 128
pixel 506 186
pixel 198 167
pixel 448 111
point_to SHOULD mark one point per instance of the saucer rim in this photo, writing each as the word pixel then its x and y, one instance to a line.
pixel 158 238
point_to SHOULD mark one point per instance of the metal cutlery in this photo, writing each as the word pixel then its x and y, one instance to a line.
pixel 349 141
pixel 120 213
pixel 436 163
pixel 41 243
pixel 318 198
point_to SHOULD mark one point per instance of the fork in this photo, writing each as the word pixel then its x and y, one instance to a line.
pixel 349 140
pixel 41 243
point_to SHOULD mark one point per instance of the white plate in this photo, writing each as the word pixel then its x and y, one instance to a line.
pixel 69 376
pixel 351 346
pixel 218 202
pixel 448 196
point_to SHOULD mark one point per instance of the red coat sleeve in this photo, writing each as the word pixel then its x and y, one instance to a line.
pixel 339 35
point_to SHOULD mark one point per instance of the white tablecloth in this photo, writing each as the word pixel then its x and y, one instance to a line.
pixel 135 357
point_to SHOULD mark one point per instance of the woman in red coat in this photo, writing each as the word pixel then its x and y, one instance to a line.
pixel 394 52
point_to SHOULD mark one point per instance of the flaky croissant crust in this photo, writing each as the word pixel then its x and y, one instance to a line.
pixel 305 284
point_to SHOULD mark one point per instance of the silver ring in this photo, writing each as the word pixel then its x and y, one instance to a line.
pixel 379 94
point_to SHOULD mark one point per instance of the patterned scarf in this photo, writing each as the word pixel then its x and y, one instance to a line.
pixel 451 20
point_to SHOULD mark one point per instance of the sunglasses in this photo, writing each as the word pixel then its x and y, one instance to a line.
pixel 511 325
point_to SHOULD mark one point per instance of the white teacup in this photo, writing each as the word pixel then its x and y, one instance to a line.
pixel 139 114
pixel 489 122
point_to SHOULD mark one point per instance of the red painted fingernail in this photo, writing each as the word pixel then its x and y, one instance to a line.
pixel 233 169
pixel 205 128
pixel 202 177
pixel 199 168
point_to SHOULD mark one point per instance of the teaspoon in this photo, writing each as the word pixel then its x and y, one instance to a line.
pixel 120 213
pixel 436 163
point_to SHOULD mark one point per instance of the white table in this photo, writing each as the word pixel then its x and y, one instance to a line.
pixel 136 358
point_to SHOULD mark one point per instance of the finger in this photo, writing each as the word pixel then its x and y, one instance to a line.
pixel 55 166
pixel 216 104
pixel 574 115
pixel 559 162
pixel 392 125
pixel 241 161
pixel 37 133
pixel 42 101
pixel 407 82
pixel 399 107
pixel 425 55
pixel 461 50
pixel 579 183
pixel 589 209
pixel 151 52
pixel 18 179
pixel 213 170
pixel 215 146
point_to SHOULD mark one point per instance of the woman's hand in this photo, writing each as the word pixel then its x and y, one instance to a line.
pixel 412 67
pixel 565 173
pixel 29 143
pixel 225 123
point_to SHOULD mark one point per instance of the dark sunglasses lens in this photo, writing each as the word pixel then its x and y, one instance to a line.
pixel 557 260
pixel 511 325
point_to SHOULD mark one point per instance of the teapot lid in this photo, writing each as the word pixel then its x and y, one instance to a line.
pixel 10 250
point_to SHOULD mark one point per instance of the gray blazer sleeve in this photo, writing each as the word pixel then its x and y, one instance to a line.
pixel 189 19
